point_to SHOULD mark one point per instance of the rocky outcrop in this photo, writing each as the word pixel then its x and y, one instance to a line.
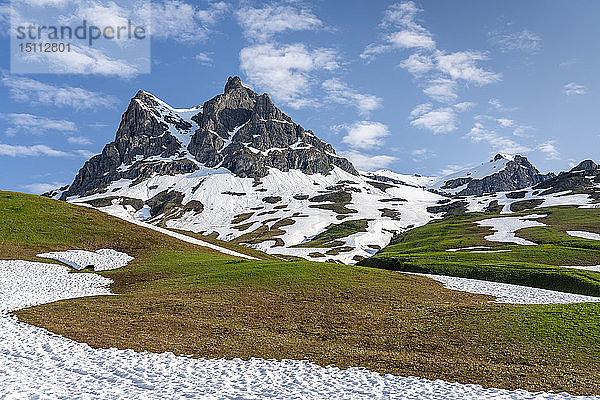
pixel 586 165
pixel 517 173
pixel 584 178
pixel 261 137
pixel 238 130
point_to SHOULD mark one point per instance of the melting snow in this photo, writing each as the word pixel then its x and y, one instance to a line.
pixel 507 293
pixel 505 228
pixel 37 364
pixel 101 260
pixel 584 235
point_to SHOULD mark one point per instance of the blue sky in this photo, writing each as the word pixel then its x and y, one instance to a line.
pixel 416 87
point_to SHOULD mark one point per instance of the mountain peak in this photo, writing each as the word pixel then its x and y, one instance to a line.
pixel 586 165
pixel 234 82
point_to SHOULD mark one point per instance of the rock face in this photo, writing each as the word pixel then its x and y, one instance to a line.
pixel 501 174
pixel 584 178
pixel 586 165
pixel 238 130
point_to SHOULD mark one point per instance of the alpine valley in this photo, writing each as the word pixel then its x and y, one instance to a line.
pixel 239 170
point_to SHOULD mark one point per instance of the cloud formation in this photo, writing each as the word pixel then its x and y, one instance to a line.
pixel 28 90
pixel 571 89
pixel 339 92
pixel 437 120
pixel 367 162
pixel 284 71
pixel 260 24
pixel 365 134
pixel 524 41
pixel 29 123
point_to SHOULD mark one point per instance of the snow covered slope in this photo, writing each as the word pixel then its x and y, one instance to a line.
pixel 502 173
pixel 241 170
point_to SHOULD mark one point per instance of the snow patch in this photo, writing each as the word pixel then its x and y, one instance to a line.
pixel 37 364
pixel 100 260
pixel 505 228
pixel 508 293
pixel 584 235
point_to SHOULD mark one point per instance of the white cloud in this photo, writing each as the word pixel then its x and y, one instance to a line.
pixel 259 24
pixel 499 143
pixel 183 22
pixel 549 148
pixel 365 134
pixel 505 122
pixel 85 60
pixel 35 92
pixel 420 155
pixel 30 151
pixel 402 14
pixel 284 71
pixel 523 130
pixel 574 89
pixel 373 50
pixel 28 123
pixel 341 93
pixel 497 104
pixel 418 64
pixel 403 32
pixel 465 106
pixel 204 58
pixel 442 90
pixel 525 41
pixel 441 120
pixel 367 162
pixel 80 140
pixel 5 12
pixel 213 13
pixel 411 39
pixel 39 188
pixel 463 65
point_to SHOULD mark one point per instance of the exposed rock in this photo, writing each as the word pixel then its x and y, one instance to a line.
pixel 516 174
pixel 238 130
pixel 586 165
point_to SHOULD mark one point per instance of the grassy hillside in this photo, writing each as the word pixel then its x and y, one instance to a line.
pixel 190 300
pixel 424 250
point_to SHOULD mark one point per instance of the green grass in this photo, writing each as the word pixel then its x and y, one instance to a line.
pixel 230 246
pixel 330 236
pixel 187 299
pixel 424 250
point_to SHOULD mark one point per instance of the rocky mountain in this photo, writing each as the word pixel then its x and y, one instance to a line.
pixel 581 179
pixel 502 173
pixel 239 169
pixel 238 130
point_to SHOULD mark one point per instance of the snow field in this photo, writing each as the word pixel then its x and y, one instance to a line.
pixel 36 364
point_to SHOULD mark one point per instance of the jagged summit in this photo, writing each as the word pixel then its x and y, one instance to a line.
pixel 502 173
pixel 239 130
pixel 586 165
pixel 234 82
